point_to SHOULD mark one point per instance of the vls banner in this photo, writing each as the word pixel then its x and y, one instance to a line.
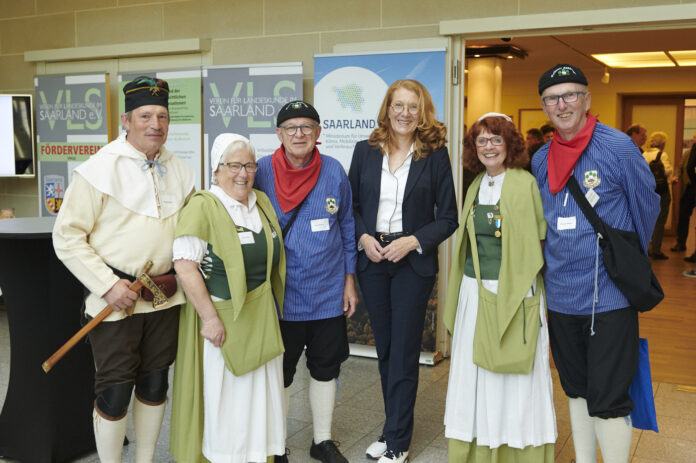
pixel 245 100
pixel 71 125
pixel 349 89
pixel 184 136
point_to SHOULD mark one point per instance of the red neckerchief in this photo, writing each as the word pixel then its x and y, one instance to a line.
pixel 293 185
pixel 563 155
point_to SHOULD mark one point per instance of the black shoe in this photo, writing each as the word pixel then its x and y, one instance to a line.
pixel 678 247
pixel 691 258
pixel 659 256
pixel 282 458
pixel 327 452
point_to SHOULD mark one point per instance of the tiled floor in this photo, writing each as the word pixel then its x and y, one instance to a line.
pixel 358 418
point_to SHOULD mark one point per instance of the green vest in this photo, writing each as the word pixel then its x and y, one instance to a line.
pixel 251 323
pixel 523 226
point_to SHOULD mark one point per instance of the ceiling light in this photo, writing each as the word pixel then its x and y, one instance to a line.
pixel 684 57
pixel 495 51
pixel 649 59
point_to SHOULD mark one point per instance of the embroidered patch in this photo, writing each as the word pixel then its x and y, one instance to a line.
pixel 590 179
pixel 331 206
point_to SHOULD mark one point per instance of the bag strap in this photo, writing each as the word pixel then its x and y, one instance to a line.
pixel 287 226
pixel 585 207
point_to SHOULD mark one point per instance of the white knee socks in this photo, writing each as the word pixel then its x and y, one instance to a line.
pixel 614 435
pixel 109 437
pixel 322 396
pixel 583 427
pixel 148 421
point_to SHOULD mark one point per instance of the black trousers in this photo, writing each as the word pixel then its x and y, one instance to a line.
pixel 598 368
pixel 686 206
pixel 396 299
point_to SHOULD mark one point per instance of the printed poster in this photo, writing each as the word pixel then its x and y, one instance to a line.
pixel 349 89
pixel 71 125
pixel 348 93
pixel 245 100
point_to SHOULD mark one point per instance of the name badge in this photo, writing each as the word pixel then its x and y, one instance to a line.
pixel 592 197
pixel 566 223
pixel 246 237
pixel 320 225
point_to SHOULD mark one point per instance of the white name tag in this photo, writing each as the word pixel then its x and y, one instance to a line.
pixel 320 225
pixel 566 223
pixel 246 237
pixel 592 197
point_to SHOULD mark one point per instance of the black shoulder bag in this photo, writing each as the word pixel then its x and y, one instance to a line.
pixel 626 263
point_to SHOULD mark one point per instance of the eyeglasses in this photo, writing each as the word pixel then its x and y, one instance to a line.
pixel 569 97
pixel 291 130
pixel 250 167
pixel 399 107
pixel 496 140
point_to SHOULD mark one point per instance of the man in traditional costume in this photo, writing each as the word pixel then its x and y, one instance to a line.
pixel 120 211
pixel 311 195
pixel 593 328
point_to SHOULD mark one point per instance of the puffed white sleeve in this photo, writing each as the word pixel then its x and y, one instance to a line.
pixel 189 247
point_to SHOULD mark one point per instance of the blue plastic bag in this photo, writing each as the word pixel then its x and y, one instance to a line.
pixel 643 415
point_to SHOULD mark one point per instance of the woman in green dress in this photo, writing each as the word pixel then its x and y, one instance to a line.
pixel 500 395
pixel 228 380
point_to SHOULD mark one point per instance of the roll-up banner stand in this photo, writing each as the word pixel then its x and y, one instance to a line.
pixel 72 123
pixel 245 100
pixel 348 92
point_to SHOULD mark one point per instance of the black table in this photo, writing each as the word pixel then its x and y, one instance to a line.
pixel 46 417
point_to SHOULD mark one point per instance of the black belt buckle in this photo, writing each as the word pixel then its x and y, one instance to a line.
pixel 387 238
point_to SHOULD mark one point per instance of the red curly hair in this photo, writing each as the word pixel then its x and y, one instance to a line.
pixel 430 134
pixel 515 151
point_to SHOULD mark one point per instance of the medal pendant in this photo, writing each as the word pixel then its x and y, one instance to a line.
pixel 497 234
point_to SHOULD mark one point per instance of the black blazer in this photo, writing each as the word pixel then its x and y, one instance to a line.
pixel 429 207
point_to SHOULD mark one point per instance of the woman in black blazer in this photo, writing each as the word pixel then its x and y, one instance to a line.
pixel 404 207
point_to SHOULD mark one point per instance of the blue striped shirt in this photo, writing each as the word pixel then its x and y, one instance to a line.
pixel 317 262
pixel 627 201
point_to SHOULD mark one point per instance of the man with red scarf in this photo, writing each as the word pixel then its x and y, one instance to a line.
pixel 594 341
pixel 312 198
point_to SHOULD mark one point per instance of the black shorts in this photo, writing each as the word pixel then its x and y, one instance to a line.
pixel 126 349
pixel 598 368
pixel 327 347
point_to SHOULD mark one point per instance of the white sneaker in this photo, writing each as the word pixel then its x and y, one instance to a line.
pixel 395 457
pixel 376 449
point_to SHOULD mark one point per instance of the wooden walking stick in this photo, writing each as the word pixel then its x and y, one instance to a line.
pixel 142 280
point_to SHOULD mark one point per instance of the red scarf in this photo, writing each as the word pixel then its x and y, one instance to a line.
pixel 563 155
pixel 293 185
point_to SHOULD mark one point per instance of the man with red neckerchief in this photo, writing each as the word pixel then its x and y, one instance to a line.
pixel 311 195
pixel 594 341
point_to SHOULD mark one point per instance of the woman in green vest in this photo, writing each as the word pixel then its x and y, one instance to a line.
pixel 500 395
pixel 227 404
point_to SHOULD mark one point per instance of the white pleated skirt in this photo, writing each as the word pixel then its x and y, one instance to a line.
pixel 496 409
pixel 243 415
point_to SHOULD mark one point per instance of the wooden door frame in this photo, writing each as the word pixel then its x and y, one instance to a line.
pixel 628 100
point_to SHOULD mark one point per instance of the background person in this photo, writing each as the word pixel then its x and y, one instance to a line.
pixel 491 416
pixel 228 380
pixel 120 211
pixel 547 130
pixel 661 168
pixel 687 179
pixel 593 330
pixel 311 196
pixel 404 206
pixel 638 134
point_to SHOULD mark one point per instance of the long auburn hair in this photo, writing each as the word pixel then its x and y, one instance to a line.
pixel 430 134
pixel 515 151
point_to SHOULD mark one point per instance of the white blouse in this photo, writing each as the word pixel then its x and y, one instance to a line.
pixel 490 194
pixel 193 248
pixel 391 195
